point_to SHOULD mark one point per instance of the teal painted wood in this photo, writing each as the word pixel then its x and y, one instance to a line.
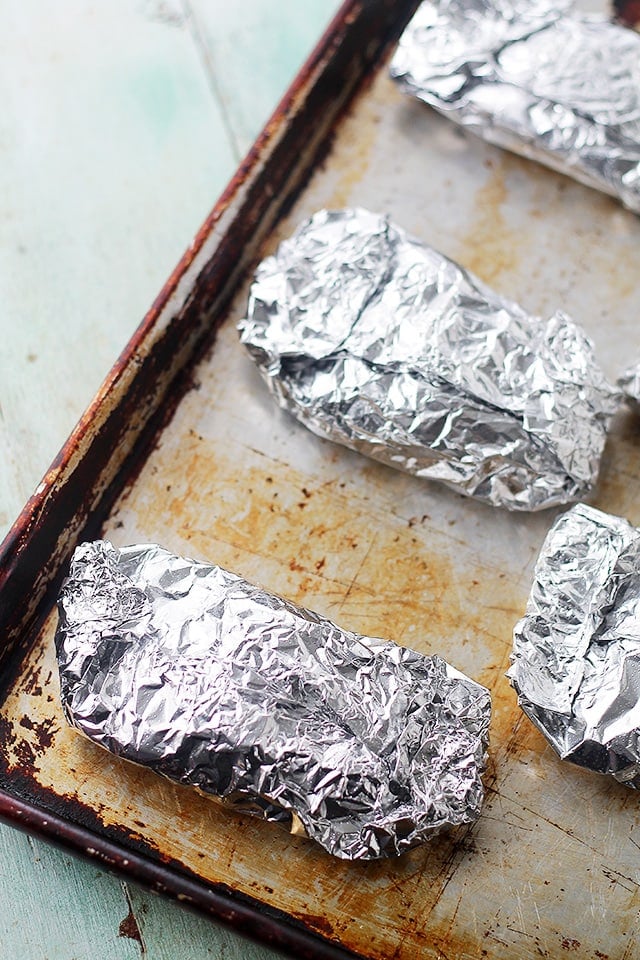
pixel 113 149
pixel 121 124
pixel 252 60
pixel 169 932
pixel 55 907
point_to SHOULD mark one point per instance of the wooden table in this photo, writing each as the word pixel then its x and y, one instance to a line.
pixel 121 124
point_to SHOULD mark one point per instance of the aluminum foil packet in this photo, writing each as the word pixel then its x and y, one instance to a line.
pixel 576 652
pixel 378 342
pixel 535 77
pixel 365 746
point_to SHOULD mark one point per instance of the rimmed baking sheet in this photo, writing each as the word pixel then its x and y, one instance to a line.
pixel 551 867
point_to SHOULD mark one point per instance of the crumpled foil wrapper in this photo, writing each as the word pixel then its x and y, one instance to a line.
pixel 535 77
pixel 629 383
pixel 576 652
pixel 192 671
pixel 378 342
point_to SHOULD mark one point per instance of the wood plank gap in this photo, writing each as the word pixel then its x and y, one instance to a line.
pixel 130 926
pixel 210 71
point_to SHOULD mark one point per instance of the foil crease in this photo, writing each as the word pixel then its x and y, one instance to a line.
pixel 535 77
pixel 576 652
pixel 193 672
pixel 378 342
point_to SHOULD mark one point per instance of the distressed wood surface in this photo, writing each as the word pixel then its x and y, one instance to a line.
pixel 121 124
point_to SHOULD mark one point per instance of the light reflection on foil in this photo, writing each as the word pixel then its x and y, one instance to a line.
pixel 376 341
pixel 192 671
pixel 535 77
pixel 576 653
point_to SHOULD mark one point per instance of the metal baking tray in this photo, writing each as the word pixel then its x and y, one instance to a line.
pixel 183 446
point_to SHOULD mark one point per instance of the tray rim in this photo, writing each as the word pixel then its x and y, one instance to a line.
pixel 247 916
pixel 78 489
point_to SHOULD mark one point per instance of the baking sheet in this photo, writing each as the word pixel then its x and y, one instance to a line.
pixel 551 867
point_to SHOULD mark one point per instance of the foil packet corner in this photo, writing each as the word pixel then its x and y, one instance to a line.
pixel 378 342
pixel 576 651
pixel 366 747
pixel 537 78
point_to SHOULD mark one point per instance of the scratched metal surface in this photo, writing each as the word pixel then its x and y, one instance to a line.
pixel 551 868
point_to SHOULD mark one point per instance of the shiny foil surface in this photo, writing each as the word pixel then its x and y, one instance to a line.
pixel 576 652
pixel 365 746
pixel 535 77
pixel 378 342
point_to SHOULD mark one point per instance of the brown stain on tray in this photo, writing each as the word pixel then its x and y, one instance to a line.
pixel 412 899
pixel 329 542
pixel 491 248
pixel 324 547
pixel 319 542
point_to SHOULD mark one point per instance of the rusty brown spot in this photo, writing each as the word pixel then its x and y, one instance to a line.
pixel 43 732
pixel 24 753
pixel 568 943
pixel 32 678
pixel 319 923
pixel 7 734
pixel 129 928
